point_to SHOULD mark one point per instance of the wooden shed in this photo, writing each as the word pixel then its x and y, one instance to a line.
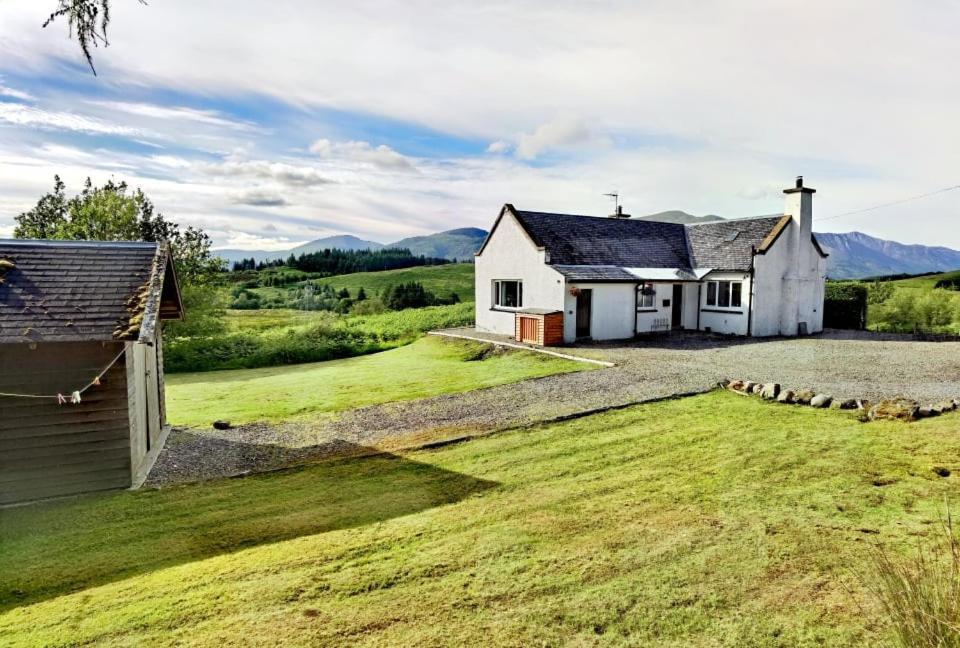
pixel 81 364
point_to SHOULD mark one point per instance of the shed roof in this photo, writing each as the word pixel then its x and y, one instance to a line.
pixel 75 291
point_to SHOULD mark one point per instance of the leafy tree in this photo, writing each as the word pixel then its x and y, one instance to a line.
pixel 361 294
pixel 88 19
pixel 113 213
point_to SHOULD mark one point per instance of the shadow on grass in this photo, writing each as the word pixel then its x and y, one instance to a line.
pixel 53 549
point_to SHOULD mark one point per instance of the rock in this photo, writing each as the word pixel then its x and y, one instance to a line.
pixel 736 385
pixel 926 412
pixel 946 406
pixel 804 396
pixel 787 396
pixel 222 425
pixel 941 471
pixel 821 400
pixel 848 404
pixel 723 384
pixel 748 387
pixel 902 409
pixel 757 388
pixel 770 391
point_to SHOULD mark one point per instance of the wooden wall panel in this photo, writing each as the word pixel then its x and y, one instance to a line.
pixel 48 449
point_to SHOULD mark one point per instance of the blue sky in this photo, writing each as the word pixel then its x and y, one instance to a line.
pixel 281 122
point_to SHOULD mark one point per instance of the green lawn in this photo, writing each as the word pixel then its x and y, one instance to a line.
pixel 440 280
pixel 428 367
pixel 716 520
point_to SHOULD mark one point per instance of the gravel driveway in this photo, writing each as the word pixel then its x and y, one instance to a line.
pixel 845 364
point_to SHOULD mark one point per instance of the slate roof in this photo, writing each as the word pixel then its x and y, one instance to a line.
pixel 713 245
pixel 590 248
pixel 589 240
pixel 72 291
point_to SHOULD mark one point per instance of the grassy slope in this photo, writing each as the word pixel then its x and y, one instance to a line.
pixel 714 520
pixel 927 282
pixel 440 280
pixel 428 367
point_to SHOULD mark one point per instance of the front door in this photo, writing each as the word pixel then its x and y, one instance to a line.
pixel 584 305
pixel 676 319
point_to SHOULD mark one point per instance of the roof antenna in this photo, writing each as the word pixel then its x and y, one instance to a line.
pixel 617 207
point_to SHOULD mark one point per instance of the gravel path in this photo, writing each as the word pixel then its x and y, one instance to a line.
pixel 843 363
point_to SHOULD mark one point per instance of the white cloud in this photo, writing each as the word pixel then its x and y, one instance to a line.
pixel 20 115
pixel 174 113
pixel 13 93
pixel 499 146
pixel 248 241
pixel 561 132
pixel 259 198
pixel 381 156
pixel 283 173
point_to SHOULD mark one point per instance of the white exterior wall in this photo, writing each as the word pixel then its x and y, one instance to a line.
pixel 730 321
pixel 611 312
pixel 790 282
pixel 647 317
pixel 510 254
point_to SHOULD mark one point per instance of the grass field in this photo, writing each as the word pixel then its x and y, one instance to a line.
pixel 440 280
pixel 428 367
pixel 708 521
pixel 926 282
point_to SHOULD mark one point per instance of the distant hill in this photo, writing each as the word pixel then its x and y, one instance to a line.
pixel 457 244
pixel 460 244
pixel 855 255
pixel 343 242
pixel 680 217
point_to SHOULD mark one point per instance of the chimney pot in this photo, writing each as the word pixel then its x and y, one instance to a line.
pixel 799 182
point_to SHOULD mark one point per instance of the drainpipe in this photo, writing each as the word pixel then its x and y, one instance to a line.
pixel 753 256
pixel 636 306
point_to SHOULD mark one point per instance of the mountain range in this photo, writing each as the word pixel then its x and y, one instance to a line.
pixel 853 255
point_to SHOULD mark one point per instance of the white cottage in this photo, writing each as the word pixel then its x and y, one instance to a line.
pixel 558 278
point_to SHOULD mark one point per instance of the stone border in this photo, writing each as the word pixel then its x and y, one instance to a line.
pixel 904 409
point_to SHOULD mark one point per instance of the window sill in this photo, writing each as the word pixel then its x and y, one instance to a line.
pixel 725 311
pixel 648 310
pixel 506 309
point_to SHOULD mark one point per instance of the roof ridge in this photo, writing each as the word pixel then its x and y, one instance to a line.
pixel 734 220
pixel 75 243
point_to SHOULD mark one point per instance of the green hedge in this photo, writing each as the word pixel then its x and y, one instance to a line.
pixel 845 306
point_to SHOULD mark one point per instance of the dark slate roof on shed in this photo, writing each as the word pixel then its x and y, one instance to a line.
pixel 71 291
pixel 729 245
pixel 589 240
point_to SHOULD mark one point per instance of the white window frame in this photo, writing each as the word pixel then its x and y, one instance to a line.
pixel 720 286
pixel 646 292
pixel 499 294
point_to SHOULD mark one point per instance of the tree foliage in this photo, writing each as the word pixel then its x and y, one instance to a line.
pixel 88 19
pixel 114 213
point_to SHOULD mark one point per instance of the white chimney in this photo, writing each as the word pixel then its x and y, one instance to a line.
pixel 799 205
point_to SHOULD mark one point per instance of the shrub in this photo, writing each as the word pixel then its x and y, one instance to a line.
pixel 845 305
pixel 337 337
pixel 920 595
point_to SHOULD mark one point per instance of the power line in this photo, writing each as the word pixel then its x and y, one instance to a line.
pixel 890 204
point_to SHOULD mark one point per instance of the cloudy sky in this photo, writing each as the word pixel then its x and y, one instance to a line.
pixel 272 123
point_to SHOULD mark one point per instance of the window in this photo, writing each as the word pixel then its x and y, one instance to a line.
pixel 646 295
pixel 725 294
pixel 508 294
